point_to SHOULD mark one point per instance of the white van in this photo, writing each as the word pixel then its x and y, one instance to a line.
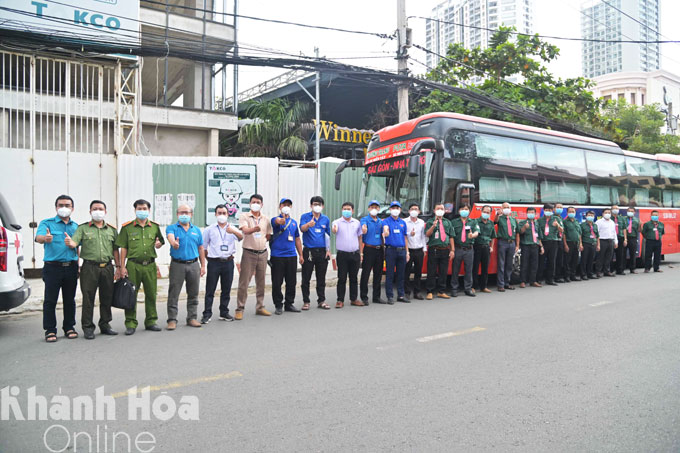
pixel 13 287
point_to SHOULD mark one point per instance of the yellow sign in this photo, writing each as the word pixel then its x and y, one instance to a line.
pixel 332 132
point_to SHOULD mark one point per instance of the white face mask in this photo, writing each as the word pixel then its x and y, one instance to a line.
pixel 64 212
pixel 615 211
pixel 395 212
pixel 373 212
pixel 439 213
pixel 607 216
pixel 506 211
pixel 255 207
pixel 414 214
pixel 98 215
pixel 222 219
pixel 285 210
pixel 317 209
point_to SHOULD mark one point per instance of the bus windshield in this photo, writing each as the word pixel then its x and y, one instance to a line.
pixel 388 180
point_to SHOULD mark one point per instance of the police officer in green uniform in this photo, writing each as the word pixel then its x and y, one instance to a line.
pixel 466 230
pixel 138 241
pixel 653 231
pixel 97 248
pixel 632 226
pixel 530 242
pixel 483 249
pixel 590 239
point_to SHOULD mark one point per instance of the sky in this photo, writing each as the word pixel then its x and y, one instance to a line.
pixel 554 17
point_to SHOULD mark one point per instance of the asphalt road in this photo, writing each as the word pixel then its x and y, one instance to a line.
pixel 591 366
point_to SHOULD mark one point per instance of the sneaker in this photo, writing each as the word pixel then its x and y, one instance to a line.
pixel 205 319
pixel 226 317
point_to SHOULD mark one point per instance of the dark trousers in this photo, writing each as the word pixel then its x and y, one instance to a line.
pixel 571 260
pixel 550 251
pixel 283 269
pixel 315 259
pixel 373 261
pixel 65 279
pixel 506 253
pixel 560 256
pixel 466 257
pixel 415 267
pixel 437 270
pixel 395 261
pixel 93 278
pixel 588 260
pixel 482 255
pixel 620 254
pixel 604 258
pixel 348 267
pixel 632 252
pixel 529 263
pixel 652 247
pixel 224 272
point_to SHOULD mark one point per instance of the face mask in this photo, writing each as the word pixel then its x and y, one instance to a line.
pixel 184 218
pixel 590 218
pixel 98 215
pixel 395 212
pixel 317 209
pixel 559 210
pixel 285 210
pixel 547 213
pixel 142 215
pixel 506 211
pixel 346 213
pixel 531 216
pixel 485 216
pixel 571 215
pixel 373 212
pixel 413 214
pixel 615 211
pixel 607 216
pixel 64 212
pixel 255 207
pixel 464 213
pixel 631 214
pixel 439 213
pixel 655 218
pixel 222 219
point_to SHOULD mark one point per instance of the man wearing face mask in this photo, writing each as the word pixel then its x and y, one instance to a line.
pixel 219 247
pixel 550 229
pixel 507 247
pixel 186 241
pixel 608 243
pixel 483 248
pixel 572 244
pixel 467 231
pixel 97 249
pixel 440 250
pixel 590 238
pixel 347 232
pixel 396 253
pixel 316 250
pixel 632 225
pixel 286 250
pixel 560 266
pixel 256 233
pixel 530 241
pixel 371 253
pixel 415 230
pixel 620 253
pixel 60 270
pixel 653 232
pixel 138 241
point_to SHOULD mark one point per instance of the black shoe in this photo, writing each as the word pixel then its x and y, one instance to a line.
pixel 153 328
pixel 108 331
pixel 551 283
pixel 470 293
pixel 454 293
pixel 403 299
pixel 226 317
pixel 620 273
pixel 510 287
pixel 278 311
pixel 379 301
pixel 390 301
pixel 130 331
pixel 292 308
pixel 559 280
pixel 594 277
pixel 205 319
pixel 633 271
pixel 88 334
pixel 365 302
pixel 584 278
pixel 418 296
pixel 575 279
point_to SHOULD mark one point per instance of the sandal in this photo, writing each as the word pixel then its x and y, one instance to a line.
pixel 51 337
pixel 324 306
pixel 305 306
pixel 339 305
pixel 71 334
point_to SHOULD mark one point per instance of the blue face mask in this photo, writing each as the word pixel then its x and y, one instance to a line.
pixel 631 214
pixel 346 213
pixel 184 218
pixel 464 213
pixel 655 218
pixel 531 216
pixel 142 215
pixel 547 213
pixel 590 218
pixel 559 210
pixel 571 215
pixel 485 216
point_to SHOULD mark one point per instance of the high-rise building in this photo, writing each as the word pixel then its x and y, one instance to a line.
pixel 616 20
pixel 468 22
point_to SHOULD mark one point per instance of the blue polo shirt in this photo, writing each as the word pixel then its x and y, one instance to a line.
pixel 373 234
pixel 283 238
pixel 314 237
pixel 189 241
pixel 397 232
pixel 57 250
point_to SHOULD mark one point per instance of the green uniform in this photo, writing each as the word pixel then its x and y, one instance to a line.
pixel 588 236
pixel 621 223
pixel 503 233
pixel 648 230
pixel 140 242
pixel 527 238
pixel 487 232
pixel 470 227
pixel 553 231
pixel 634 227
pixel 96 250
pixel 436 240
pixel 572 230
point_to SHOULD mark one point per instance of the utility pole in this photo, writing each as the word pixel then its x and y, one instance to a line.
pixel 404 42
pixel 235 101
pixel 317 143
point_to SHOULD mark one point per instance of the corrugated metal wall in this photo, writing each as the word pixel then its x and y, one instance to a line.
pixel 350 189
pixel 297 184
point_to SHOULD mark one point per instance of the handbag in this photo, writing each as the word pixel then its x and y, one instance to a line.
pixel 124 294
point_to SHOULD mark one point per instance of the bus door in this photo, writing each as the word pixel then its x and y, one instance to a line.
pixel 456 181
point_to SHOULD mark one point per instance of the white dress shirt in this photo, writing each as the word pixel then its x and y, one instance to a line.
pixel 418 240
pixel 607 229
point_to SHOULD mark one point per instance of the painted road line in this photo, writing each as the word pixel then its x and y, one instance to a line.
pixel 599 304
pixel 449 334
pixel 178 384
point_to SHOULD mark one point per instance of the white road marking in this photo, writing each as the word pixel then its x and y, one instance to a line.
pixel 599 304
pixel 441 336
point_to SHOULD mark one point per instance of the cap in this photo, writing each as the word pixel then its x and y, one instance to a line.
pixel 283 200
pixel 395 203
pixel 374 202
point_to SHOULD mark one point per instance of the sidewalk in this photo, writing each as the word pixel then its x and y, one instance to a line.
pixel 35 301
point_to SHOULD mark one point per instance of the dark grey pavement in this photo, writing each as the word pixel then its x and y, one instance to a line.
pixel 589 366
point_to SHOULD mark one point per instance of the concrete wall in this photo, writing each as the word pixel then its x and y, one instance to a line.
pixel 169 141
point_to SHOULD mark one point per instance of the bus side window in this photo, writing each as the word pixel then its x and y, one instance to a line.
pixel 454 173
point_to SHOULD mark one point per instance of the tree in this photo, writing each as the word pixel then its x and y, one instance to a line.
pixel 275 130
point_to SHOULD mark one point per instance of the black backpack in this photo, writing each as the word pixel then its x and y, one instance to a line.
pixel 124 294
